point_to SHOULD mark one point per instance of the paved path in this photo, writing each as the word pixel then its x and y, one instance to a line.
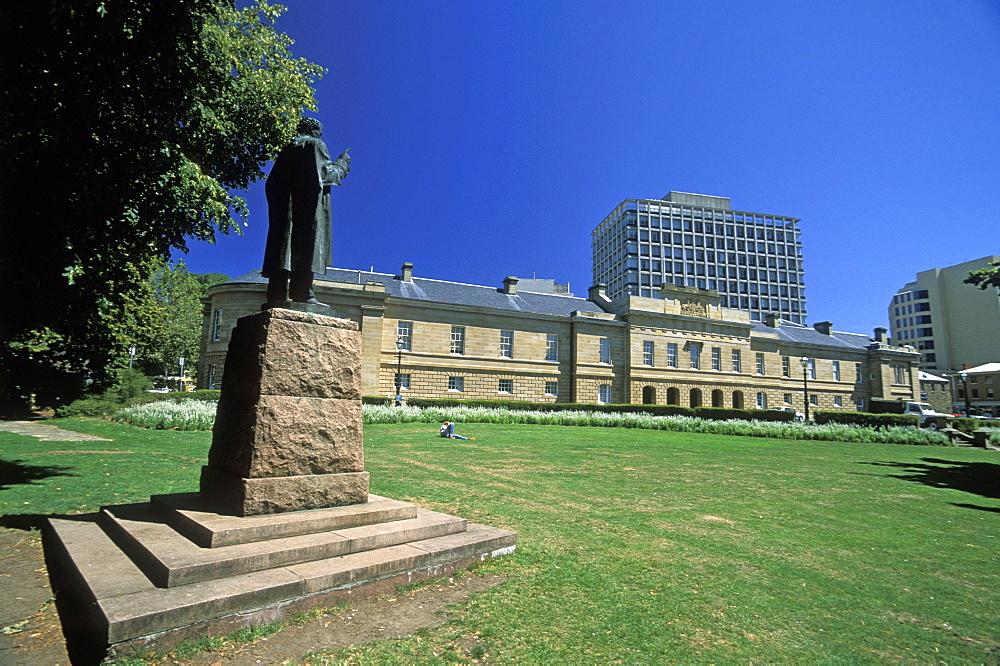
pixel 47 433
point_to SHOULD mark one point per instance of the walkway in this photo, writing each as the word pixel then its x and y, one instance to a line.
pixel 47 433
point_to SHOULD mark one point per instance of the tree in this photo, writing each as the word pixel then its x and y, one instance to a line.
pixel 174 302
pixel 124 128
pixel 984 278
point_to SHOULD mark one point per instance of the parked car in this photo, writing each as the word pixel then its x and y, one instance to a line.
pixel 799 416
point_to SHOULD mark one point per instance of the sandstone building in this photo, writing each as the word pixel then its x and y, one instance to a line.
pixel 452 340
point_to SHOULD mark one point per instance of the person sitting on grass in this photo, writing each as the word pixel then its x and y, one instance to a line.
pixel 448 430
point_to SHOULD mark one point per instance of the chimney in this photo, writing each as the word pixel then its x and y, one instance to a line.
pixel 407 272
pixel 510 285
pixel 880 335
pixel 772 319
pixel 598 292
pixel 824 327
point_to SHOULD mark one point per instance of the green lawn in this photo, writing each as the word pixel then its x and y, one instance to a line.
pixel 645 546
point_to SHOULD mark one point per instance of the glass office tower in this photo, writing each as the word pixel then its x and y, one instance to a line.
pixel 754 260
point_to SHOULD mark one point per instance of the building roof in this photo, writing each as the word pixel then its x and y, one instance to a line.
pixel 928 377
pixel 452 293
pixel 986 367
pixel 807 335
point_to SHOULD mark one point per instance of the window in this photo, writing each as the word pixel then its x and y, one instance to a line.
pixel 787 398
pixel 551 347
pixel 404 335
pixel 737 361
pixel 672 354
pixel 647 353
pixel 838 401
pixel 551 388
pixel 812 368
pixel 217 326
pixel 605 350
pixel 813 399
pixel 456 384
pixel 786 366
pixel 457 339
pixel 694 352
pixel 857 373
pixel 760 364
pixel 507 344
pixel 898 374
pixel 604 394
pixel 761 400
pixel 212 376
pixel 716 358
pixel 836 371
pixel 404 381
pixel 506 386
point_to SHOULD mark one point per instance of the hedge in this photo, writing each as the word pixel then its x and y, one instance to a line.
pixel 713 413
pixel 867 419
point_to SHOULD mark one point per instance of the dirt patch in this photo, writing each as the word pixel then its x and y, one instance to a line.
pixel 365 621
pixel 32 634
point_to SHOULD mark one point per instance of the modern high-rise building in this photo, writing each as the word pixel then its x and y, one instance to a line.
pixel 954 325
pixel 754 260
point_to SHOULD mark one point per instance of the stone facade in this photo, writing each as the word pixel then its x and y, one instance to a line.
pixel 476 342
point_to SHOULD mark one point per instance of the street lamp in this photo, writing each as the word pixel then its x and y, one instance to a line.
pixel 400 346
pixel 131 355
pixel 965 391
pixel 804 361
pixel 182 373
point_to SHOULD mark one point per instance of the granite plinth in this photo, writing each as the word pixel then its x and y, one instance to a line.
pixel 240 496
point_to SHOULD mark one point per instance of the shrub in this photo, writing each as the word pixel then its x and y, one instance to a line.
pixel 129 384
pixel 967 425
pixel 92 407
pixel 867 420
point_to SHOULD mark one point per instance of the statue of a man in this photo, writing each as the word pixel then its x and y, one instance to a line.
pixel 298 211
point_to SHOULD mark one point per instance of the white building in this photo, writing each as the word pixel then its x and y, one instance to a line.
pixel 754 260
pixel 953 324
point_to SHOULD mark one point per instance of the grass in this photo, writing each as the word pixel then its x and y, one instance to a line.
pixel 644 546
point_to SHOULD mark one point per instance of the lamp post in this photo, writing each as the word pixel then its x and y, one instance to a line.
pixel 182 373
pixel 131 356
pixel 400 345
pixel 965 391
pixel 804 361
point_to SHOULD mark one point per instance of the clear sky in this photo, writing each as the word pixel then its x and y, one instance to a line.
pixel 489 137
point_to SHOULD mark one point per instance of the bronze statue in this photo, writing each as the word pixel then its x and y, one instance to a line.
pixel 298 211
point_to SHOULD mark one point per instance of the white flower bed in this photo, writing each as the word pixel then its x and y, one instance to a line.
pixel 200 415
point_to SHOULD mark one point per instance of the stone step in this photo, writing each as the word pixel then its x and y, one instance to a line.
pixel 169 559
pixel 190 515
pixel 128 606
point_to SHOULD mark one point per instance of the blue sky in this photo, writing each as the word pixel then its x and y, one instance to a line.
pixel 490 137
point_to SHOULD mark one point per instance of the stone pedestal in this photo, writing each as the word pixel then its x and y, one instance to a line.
pixel 283 522
pixel 287 432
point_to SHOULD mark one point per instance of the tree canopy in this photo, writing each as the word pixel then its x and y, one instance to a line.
pixel 173 306
pixel 987 277
pixel 124 128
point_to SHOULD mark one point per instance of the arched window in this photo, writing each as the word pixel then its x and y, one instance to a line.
pixel 673 396
pixel 648 395
pixel 604 394
pixel 717 398
pixel 737 399
pixel 695 397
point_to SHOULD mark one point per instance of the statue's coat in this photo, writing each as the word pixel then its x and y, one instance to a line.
pixel 298 202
